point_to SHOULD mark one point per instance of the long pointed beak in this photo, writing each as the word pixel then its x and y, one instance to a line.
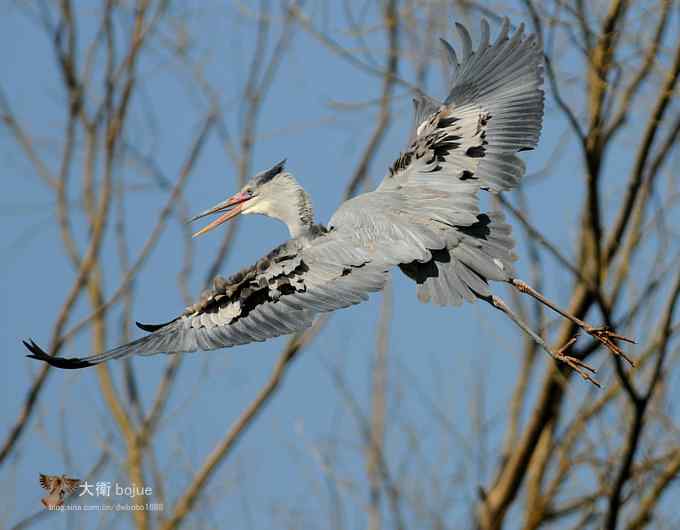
pixel 233 204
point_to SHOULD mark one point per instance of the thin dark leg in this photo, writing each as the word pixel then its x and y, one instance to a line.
pixel 576 364
pixel 604 335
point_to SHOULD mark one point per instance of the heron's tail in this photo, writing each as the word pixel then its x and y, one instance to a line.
pixel 461 271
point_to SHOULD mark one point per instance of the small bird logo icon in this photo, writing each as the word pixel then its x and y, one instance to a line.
pixel 57 488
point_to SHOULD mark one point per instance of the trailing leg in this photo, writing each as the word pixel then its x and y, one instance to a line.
pixel 576 364
pixel 603 334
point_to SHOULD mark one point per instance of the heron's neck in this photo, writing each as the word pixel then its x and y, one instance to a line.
pixel 301 218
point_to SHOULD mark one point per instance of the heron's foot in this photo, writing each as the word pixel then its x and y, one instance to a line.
pixel 607 337
pixel 604 335
pixel 581 368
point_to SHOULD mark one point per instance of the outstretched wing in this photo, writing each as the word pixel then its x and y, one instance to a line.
pixel 467 143
pixel 493 110
pixel 280 294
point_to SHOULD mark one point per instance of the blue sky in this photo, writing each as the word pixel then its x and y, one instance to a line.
pixel 276 474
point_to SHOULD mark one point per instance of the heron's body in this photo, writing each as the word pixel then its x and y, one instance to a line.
pixel 424 217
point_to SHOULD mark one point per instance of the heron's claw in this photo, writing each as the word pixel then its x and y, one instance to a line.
pixel 575 364
pixel 606 337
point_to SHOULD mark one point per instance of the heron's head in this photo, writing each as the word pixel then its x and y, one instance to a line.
pixel 274 193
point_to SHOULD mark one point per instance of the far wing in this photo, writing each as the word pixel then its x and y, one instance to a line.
pixel 494 109
pixel 280 294
pixel 468 143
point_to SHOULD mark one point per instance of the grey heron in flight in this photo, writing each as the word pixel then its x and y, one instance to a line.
pixel 424 218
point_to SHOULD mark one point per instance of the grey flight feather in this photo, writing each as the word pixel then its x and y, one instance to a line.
pixel 423 218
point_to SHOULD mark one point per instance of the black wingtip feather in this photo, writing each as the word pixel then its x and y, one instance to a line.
pixel 150 328
pixel 59 362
